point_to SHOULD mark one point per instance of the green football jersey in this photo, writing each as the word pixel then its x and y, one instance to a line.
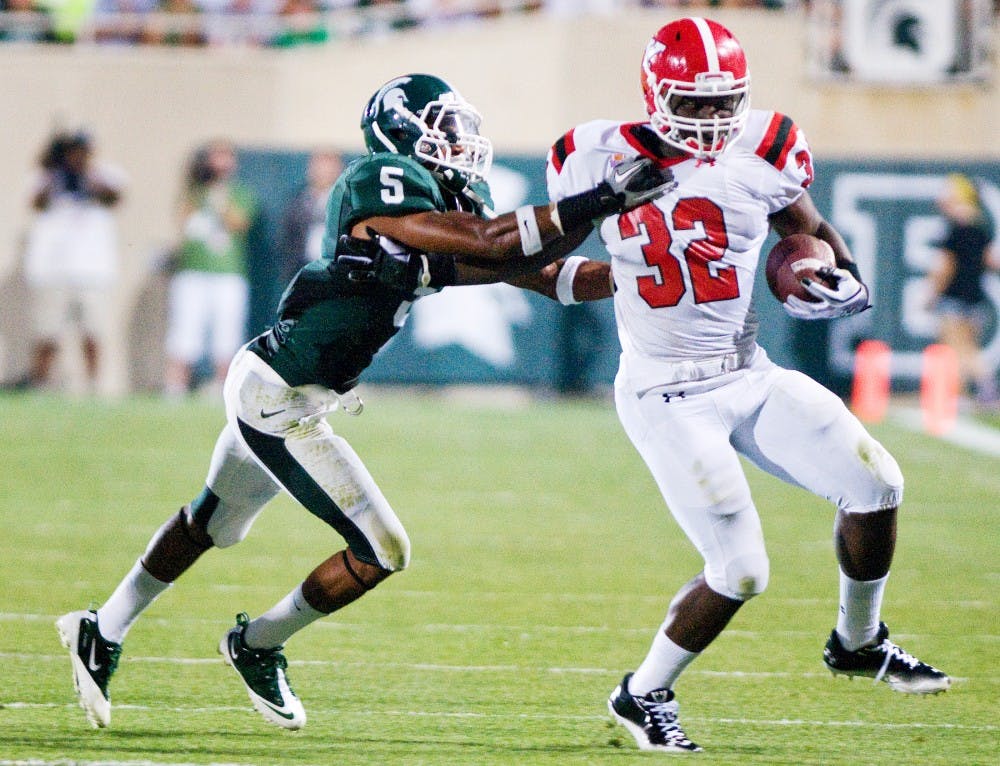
pixel 330 327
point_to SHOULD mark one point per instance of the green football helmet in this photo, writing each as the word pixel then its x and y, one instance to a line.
pixel 423 117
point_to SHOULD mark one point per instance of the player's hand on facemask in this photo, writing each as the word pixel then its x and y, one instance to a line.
pixel 635 182
pixel 839 294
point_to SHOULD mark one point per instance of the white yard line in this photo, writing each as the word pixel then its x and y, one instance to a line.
pixel 343 713
pixel 441 668
pixel 965 433
pixel 450 627
pixel 75 762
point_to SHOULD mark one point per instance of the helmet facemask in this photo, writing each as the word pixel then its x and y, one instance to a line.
pixel 704 138
pixel 451 146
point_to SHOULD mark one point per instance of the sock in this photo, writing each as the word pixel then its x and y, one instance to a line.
pixel 137 590
pixel 277 624
pixel 662 666
pixel 860 606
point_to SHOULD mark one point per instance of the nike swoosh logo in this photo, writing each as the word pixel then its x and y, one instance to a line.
pixel 270 414
pixel 278 711
pixel 92 660
pixel 621 177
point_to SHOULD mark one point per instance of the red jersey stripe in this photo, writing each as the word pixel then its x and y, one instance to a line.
pixel 778 140
pixel 562 149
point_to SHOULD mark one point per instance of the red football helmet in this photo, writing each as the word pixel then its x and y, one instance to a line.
pixel 689 60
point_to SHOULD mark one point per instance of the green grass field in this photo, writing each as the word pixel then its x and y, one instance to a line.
pixel 543 561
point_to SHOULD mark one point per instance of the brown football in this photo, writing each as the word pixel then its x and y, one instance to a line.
pixel 793 258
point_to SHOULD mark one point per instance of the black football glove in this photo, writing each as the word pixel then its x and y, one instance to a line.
pixel 635 182
pixel 628 185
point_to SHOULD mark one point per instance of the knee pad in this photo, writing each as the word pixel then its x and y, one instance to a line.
pixel 884 488
pixel 748 576
pixel 741 578
pixel 392 553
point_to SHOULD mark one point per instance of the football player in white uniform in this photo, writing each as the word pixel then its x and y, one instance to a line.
pixel 694 391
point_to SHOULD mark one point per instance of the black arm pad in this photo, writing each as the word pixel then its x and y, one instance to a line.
pixel 443 271
pixel 586 207
pixel 366 261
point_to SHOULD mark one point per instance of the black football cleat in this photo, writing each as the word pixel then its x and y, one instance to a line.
pixel 651 719
pixel 94 662
pixel 884 661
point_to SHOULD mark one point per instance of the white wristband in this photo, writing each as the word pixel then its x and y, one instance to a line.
pixel 527 226
pixel 564 282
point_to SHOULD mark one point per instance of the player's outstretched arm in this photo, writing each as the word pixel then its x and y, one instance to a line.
pixel 570 280
pixel 380 259
pixel 528 230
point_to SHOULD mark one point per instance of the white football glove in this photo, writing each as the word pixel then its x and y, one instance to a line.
pixel 849 296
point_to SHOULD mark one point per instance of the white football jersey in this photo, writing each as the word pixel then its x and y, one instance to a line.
pixel 684 265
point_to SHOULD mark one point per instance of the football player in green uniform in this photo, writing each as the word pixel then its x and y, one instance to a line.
pixel 404 221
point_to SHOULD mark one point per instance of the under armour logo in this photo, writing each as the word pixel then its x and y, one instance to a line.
pixel 668 397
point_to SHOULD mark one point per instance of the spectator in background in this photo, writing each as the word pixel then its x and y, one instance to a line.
pixel 238 22
pixel 377 24
pixel 69 18
pixel 303 222
pixel 71 259
pixel 177 23
pixel 122 22
pixel 300 24
pixel 208 291
pixel 581 7
pixel 957 283
pixel 435 12
pixel 25 21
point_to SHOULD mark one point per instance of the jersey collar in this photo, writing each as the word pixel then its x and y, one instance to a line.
pixel 641 137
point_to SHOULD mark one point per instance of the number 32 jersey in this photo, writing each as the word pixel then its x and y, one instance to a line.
pixel 684 265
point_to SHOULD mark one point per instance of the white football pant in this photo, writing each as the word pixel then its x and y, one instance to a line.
pixel 277 437
pixel 692 434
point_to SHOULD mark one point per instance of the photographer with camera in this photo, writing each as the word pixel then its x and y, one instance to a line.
pixel 71 254
pixel 208 290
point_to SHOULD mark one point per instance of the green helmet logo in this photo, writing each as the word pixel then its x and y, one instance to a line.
pixel 423 117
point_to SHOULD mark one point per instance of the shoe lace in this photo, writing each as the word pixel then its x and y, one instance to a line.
pixel 895 654
pixel 259 667
pixel 664 718
pixel 264 664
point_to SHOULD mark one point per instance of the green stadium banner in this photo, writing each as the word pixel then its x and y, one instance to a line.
pixel 497 334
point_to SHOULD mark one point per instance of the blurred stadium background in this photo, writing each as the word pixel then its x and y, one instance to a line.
pixel 502 641
pixel 893 95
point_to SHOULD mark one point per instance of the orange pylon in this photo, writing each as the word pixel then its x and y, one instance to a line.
pixel 940 385
pixel 870 388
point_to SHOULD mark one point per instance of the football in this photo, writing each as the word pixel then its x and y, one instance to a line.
pixel 793 258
